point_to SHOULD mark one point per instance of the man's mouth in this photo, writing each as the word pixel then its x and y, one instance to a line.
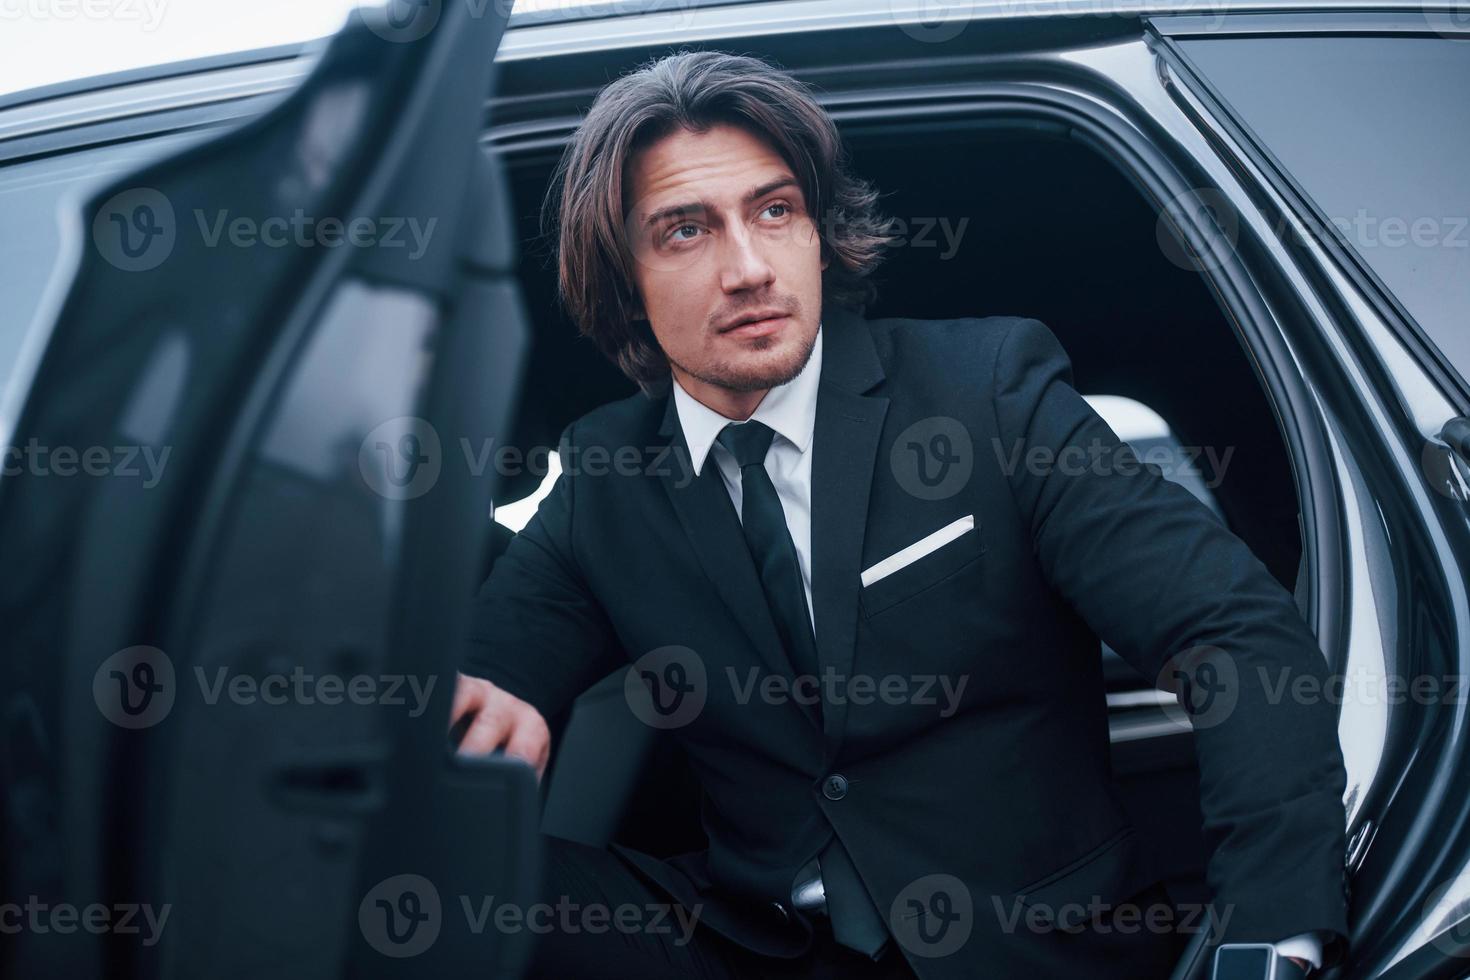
pixel 754 324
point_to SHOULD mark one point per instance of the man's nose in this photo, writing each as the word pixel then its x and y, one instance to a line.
pixel 744 264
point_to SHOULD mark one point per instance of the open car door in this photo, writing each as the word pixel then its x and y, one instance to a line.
pixel 235 590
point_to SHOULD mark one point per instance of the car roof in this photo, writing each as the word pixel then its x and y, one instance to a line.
pixel 36 120
pixel 568 28
pixel 621 24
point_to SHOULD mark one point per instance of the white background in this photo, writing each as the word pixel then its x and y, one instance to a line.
pixel 48 41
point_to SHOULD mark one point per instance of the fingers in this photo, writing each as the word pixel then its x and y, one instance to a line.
pixel 486 733
pixel 529 740
pixel 499 720
pixel 469 695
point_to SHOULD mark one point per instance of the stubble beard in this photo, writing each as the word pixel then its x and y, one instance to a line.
pixel 731 378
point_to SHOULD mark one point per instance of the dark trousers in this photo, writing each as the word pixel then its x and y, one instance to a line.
pixel 605 923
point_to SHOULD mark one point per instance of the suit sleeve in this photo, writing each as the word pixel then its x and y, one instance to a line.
pixel 537 630
pixel 1186 603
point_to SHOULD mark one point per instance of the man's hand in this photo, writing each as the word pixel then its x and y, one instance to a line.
pixel 1304 964
pixel 499 720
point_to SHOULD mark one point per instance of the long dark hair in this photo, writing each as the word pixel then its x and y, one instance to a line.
pixel 584 211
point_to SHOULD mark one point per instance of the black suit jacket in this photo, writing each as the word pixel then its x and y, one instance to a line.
pixel 1006 804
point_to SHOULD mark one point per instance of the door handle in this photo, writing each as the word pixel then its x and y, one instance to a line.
pixel 342 781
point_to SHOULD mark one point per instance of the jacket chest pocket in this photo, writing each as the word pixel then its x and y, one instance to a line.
pixel 920 567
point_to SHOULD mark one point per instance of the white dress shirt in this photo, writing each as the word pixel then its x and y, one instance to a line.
pixel 791 412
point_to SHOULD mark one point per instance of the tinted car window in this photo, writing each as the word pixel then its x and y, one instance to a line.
pixel 1377 131
pixel 31 196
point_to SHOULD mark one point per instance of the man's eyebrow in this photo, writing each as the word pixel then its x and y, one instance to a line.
pixel 700 207
pixel 757 193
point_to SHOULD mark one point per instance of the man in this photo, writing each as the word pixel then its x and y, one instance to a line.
pixel 816 509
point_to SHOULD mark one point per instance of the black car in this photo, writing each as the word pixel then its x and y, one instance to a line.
pixel 286 369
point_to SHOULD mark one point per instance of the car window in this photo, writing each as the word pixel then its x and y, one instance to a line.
pixel 1154 443
pixel 517 514
pixel 1377 131
pixel 32 196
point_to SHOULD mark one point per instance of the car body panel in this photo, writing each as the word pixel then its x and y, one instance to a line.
pixel 151 783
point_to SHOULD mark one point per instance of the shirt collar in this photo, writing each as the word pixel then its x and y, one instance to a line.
pixel 789 409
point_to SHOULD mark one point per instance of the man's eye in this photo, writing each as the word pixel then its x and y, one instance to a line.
pixel 781 209
pixel 677 233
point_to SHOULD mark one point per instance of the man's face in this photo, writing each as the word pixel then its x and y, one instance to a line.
pixel 720 234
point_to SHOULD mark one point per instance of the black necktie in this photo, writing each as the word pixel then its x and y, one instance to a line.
pixel 855 922
pixel 770 543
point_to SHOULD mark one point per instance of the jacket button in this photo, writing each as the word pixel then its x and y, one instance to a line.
pixel 780 910
pixel 835 788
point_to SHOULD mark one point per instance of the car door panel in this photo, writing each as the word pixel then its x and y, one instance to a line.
pixel 291 378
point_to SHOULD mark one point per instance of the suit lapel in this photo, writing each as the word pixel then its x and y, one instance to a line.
pixel 848 427
pixel 709 519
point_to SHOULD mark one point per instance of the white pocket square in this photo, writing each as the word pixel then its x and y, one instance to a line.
pixel 917 550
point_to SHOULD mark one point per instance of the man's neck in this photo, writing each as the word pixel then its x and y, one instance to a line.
pixel 735 405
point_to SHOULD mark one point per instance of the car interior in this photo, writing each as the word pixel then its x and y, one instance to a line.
pixel 1051 229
